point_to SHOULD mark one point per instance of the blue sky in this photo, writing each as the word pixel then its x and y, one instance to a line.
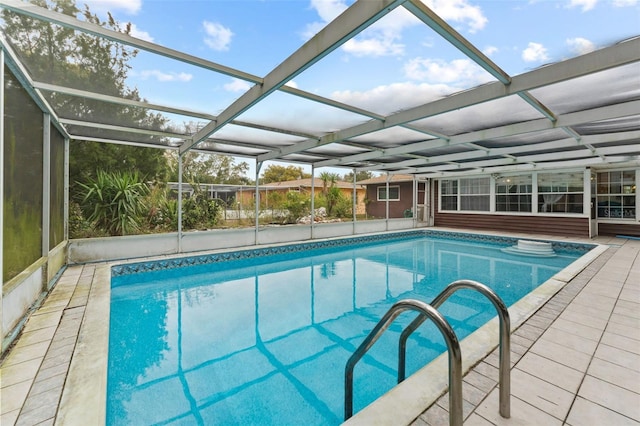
pixel 398 62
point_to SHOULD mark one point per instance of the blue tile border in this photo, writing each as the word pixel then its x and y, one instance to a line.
pixel 181 262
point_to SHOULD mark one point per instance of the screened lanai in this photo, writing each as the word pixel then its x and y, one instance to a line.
pixel 555 129
pixel 583 111
pixel 545 149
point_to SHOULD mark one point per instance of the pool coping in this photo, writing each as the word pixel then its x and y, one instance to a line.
pixel 84 400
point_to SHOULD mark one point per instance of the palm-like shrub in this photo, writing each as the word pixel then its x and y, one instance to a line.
pixel 114 201
pixel 199 211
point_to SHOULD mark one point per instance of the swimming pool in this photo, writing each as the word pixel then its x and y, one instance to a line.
pixel 262 336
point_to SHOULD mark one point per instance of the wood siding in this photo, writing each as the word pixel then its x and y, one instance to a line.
pixel 566 226
pixel 629 229
pixel 378 209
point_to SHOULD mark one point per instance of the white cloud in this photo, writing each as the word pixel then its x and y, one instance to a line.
pixel 218 36
pixel 459 11
pixel 624 3
pixel 374 46
pixel 463 72
pixel 237 85
pixel 164 77
pixel 535 52
pixel 138 33
pixel 586 5
pixel 328 9
pixel 102 6
pixel 291 83
pixel 394 97
pixel 580 45
pixel 490 50
pixel 384 37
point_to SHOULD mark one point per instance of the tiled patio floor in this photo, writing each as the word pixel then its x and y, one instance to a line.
pixel 576 361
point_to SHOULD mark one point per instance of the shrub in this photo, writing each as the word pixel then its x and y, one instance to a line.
pixel 199 211
pixel 298 205
pixel 114 201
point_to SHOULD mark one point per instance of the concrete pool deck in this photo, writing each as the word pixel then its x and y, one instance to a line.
pixel 575 361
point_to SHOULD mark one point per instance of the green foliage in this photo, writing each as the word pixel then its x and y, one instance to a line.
pixel 328 180
pixel 208 168
pixel 162 214
pixel 274 200
pixel 333 195
pixel 343 207
pixel 114 201
pixel 360 176
pixel 298 205
pixel 277 173
pixel 86 158
pixel 59 54
pixel 80 226
pixel 200 212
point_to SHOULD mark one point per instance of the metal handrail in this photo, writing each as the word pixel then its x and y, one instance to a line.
pixel 453 346
pixel 505 337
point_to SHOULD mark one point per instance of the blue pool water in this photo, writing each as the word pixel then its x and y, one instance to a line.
pixel 262 336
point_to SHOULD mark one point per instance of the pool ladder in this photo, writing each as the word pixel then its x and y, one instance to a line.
pixel 429 311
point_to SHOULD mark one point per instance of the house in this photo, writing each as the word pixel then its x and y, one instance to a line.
pixel 401 197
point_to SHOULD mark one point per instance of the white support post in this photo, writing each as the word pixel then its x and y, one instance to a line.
pixel 387 203
pixel 46 185
pixel 414 204
pixel 179 203
pixel 1 190
pixel 534 193
pixel 313 197
pixel 355 200
pixel 586 189
pixel 66 189
pixel 257 200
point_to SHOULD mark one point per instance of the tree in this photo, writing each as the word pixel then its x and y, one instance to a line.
pixel 360 176
pixel 60 55
pixel 328 180
pixel 277 173
pixel 208 168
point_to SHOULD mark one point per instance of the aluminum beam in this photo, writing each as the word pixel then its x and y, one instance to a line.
pixel 356 18
pixel 563 121
pixel 599 60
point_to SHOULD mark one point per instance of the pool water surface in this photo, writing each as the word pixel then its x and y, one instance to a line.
pixel 264 339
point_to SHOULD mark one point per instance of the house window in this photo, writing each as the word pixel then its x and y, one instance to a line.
pixel 471 194
pixel 560 193
pixel 513 194
pixel 616 194
pixel 449 194
pixel 474 194
pixel 394 193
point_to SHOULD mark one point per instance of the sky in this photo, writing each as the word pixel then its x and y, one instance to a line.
pixel 396 63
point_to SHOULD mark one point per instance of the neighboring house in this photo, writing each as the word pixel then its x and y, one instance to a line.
pixel 401 194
